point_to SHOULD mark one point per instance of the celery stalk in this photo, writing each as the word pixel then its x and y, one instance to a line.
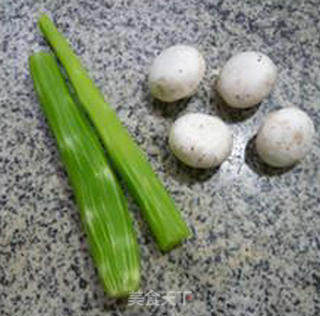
pixel 157 206
pixel 102 205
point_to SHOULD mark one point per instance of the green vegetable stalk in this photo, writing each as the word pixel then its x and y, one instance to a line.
pixel 158 208
pixel 102 205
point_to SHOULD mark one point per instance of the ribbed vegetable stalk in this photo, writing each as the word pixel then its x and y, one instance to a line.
pixel 158 208
pixel 102 204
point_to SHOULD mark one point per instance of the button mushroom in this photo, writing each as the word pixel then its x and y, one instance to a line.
pixel 200 140
pixel 176 73
pixel 285 137
pixel 246 79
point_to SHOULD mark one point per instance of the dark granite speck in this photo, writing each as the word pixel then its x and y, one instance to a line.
pixel 256 244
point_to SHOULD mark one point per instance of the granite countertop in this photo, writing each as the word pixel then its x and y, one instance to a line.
pixel 256 243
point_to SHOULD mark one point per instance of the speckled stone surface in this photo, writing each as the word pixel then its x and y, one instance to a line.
pixel 256 243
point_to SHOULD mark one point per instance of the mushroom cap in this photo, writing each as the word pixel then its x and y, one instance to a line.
pixel 200 140
pixel 176 73
pixel 285 137
pixel 246 79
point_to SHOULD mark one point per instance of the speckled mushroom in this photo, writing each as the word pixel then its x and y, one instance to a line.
pixel 246 79
pixel 285 137
pixel 176 73
pixel 200 140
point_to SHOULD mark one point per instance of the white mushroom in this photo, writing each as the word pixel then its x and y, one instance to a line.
pixel 285 137
pixel 176 73
pixel 200 140
pixel 246 79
